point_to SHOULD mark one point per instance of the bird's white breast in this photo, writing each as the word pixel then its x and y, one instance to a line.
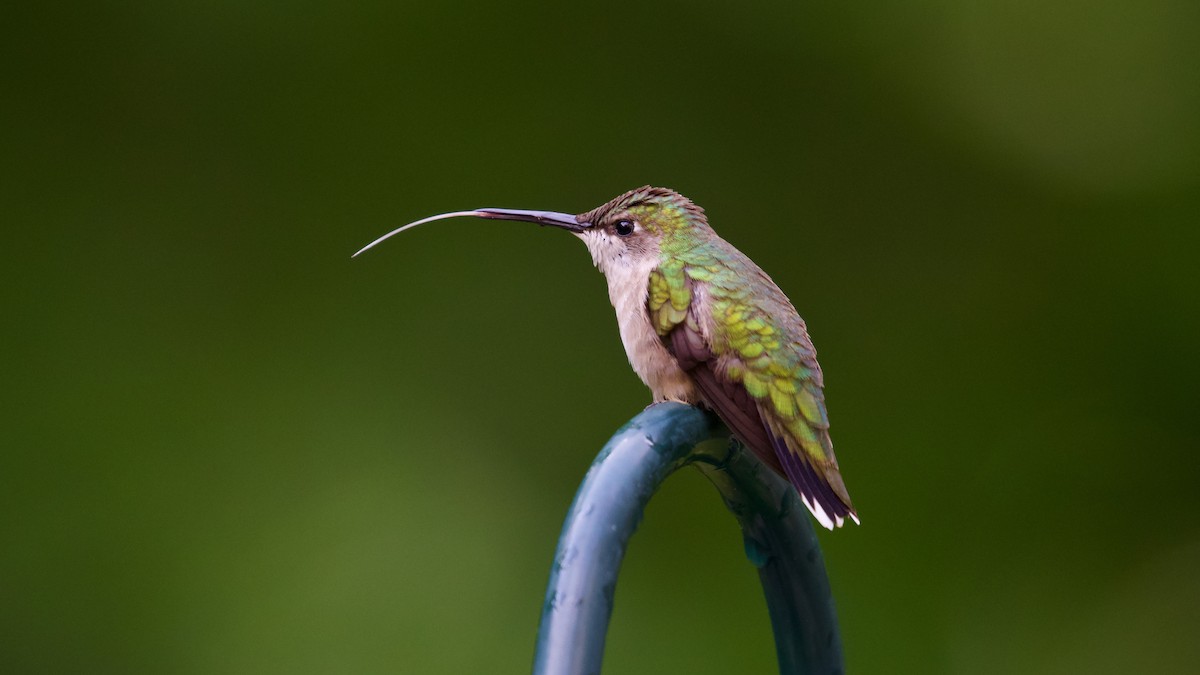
pixel 628 289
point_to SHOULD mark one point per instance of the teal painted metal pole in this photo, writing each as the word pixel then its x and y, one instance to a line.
pixel 776 528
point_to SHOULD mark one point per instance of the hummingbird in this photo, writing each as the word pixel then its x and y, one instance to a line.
pixel 703 325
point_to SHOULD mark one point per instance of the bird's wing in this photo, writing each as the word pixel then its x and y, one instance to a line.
pixel 759 373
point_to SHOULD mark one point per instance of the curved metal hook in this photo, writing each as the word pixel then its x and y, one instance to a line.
pixel 778 535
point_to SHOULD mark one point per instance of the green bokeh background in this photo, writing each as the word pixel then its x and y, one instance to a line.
pixel 228 448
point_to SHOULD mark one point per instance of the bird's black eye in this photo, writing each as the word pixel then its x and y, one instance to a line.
pixel 624 227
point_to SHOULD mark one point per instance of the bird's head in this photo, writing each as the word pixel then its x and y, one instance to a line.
pixel 638 225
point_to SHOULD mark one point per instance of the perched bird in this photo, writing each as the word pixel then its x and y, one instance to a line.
pixel 702 324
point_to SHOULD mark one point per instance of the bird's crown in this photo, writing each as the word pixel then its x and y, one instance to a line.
pixel 660 210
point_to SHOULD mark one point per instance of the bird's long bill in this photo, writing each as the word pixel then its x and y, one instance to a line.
pixel 549 218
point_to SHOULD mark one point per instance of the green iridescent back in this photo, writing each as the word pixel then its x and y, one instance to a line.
pixel 755 334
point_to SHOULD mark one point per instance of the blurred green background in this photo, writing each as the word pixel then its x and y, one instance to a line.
pixel 228 448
